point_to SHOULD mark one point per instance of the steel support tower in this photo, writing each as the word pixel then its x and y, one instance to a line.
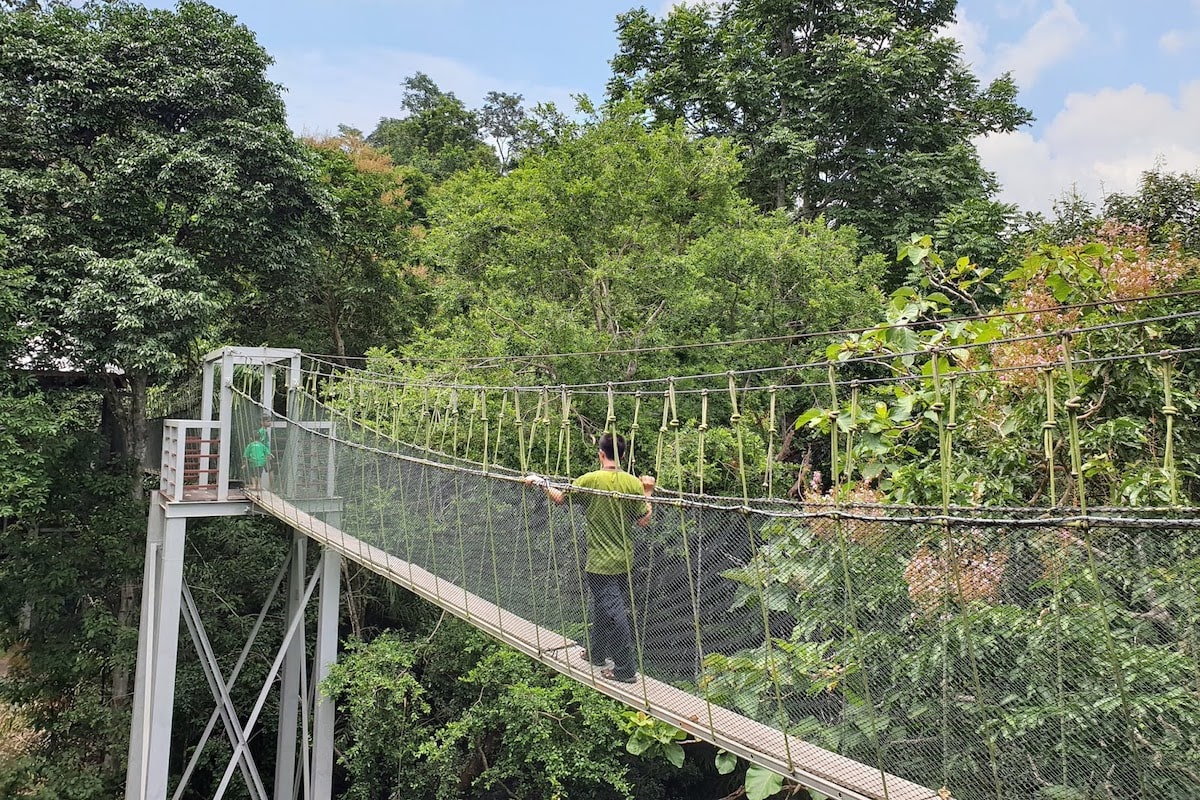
pixel 197 482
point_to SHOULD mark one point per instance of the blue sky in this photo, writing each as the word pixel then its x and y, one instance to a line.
pixel 1114 84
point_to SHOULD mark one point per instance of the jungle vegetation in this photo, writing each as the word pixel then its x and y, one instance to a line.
pixel 154 205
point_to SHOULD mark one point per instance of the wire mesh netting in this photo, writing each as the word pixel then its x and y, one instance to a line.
pixel 994 652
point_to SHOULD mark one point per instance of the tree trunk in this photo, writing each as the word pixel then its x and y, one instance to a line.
pixel 133 422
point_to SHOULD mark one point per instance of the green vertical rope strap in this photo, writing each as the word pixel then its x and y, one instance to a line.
pixel 1169 413
pixel 454 413
pixel 851 429
pixel 579 557
pixel 769 471
pixel 551 531
pixel 735 423
pixel 519 423
pixel 499 427
pixel 848 585
pixel 386 541
pixel 399 396
pixel 610 418
pixel 471 418
pixel 634 615
pixel 937 407
pixel 701 435
pixel 1048 429
pixel 662 431
pixel 633 430
pixel 980 698
pixel 702 680
pixel 540 414
pixel 405 527
pixel 1169 410
pixel 485 429
pixel 426 422
pixel 426 415
pixel 1072 405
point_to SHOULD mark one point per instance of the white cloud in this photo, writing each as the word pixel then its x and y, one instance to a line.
pixel 1174 42
pixel 1007 9
pixel 1099 144
pixel 1050 39
pixel 972 36
pixel 357 88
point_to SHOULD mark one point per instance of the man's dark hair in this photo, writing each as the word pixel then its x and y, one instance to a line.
pixel 606 446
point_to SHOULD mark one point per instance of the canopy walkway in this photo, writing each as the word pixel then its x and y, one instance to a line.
pixel 946 649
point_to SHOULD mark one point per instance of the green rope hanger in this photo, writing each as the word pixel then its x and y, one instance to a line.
pixel 847 582
pixel 1048 429
pixel 693 590
pixel 551 528
pixel 519 423
pixel 735 423
pixel 633 430
pixel 454 414
pixel 499 427
pixel 769 471
pixel 1072 405
pixel 1169 413
pixel 564 434
pixel 947 423
pixel 489 530
pixel 402 489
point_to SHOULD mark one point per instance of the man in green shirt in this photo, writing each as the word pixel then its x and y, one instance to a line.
pixel 609 550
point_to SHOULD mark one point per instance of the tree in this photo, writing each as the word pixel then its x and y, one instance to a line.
pixel 146 176
pixel 1167 205
pixel 438 134
pixel 501 119
pixel 148 170
pixel 360 291
pixel 856 111
pixel 622 237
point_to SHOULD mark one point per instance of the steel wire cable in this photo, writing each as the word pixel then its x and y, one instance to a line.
pixel 489 361
pixel 598 388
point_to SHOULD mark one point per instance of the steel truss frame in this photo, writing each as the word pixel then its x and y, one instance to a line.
pixel 304 739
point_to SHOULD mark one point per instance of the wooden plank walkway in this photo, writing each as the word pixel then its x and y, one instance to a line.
pixel 809 765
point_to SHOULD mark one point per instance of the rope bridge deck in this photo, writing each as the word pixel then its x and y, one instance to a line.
pixel 812 766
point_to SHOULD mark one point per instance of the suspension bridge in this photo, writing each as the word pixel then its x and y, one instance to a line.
pixel 863 650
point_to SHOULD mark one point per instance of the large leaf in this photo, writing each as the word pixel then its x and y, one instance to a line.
pixel 761 783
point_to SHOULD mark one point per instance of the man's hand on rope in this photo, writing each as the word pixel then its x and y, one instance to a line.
pixel 533 479
pixel 557 496
pixel 648 484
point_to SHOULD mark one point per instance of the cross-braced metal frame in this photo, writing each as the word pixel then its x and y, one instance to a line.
pixel 196 483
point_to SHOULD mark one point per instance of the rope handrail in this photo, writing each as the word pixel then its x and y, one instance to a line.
pixel 488 361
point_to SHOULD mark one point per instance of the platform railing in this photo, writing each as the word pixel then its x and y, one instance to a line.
pixel 191 458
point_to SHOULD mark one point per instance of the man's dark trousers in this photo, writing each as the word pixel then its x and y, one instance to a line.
pixel 611 634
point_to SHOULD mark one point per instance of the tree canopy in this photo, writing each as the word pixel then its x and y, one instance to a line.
pixel 437 134
pixel 862 112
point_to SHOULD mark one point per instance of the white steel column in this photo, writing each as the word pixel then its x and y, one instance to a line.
pixel 154 686
pixel 226 424
pixel 206 414
pixel 293 668
pixel 139 733
pixel 325 657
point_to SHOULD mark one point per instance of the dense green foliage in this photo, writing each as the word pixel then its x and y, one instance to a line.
pixel 856 111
